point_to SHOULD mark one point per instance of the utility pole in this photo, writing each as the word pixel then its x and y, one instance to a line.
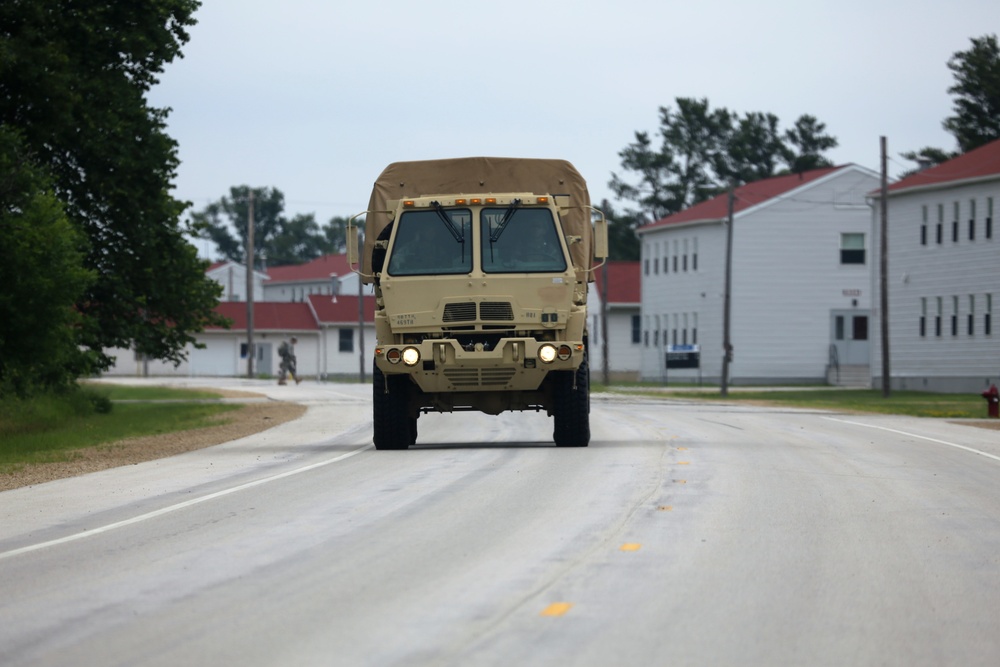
pixel 250 271
pixel 727 346
pixel 883 270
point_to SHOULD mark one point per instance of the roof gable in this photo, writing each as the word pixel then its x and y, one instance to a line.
pixel 746 196
pixel 318 269
pixel 623 282
pixel 981 162
pixel 341 308
pixel 269 315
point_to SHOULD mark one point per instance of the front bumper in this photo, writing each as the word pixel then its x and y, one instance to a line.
pixel 514 364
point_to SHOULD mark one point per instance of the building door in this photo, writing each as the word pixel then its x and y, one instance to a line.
pixel 849 336
pixel 263 365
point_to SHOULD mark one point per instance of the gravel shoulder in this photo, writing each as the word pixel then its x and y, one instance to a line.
pixel 251 418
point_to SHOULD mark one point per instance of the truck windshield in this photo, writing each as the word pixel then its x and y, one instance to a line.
pixel 528 243
pixel 425 245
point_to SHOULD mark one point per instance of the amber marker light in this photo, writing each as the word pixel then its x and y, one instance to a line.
pixel 393 355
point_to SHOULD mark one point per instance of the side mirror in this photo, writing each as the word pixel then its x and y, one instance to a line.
pixel 600 235
pixel 352 240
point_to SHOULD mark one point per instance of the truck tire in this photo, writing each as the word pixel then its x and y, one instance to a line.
pixel 571 412
pixel 393 427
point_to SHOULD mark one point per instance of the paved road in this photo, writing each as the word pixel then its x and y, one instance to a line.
pixel 686 534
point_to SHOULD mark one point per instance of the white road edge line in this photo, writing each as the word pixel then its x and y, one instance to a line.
pixel 178 506
pixel 914 435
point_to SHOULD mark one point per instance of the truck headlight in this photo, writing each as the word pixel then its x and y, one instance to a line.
pixel 547 353
pixel 411 356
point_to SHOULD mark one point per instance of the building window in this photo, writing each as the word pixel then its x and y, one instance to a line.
pixel 859 327
pixel 940 233
pixel 954 224
pixel 923 317
pixel 954 316
pixel 989 217
pixel 838 327
pixel 852 248
pixel 937 318
pixel 656 266
pixel 645 266
pixel 636 328
pixel 923 226
pixel 986 315
pixel 347 340
pixel 972 219
pixel 972 314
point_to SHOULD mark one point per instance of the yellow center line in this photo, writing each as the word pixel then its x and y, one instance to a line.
pixel 557 609
pixel 631 546
pixel 665 508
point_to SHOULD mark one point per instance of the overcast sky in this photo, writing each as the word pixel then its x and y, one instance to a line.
pixel 315 98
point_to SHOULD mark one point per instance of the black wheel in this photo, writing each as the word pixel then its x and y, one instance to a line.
pixel 393 427
pixel 571 408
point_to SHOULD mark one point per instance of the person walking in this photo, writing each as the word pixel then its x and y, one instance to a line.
pixel 287 353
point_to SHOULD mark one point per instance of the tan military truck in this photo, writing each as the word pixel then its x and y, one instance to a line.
pixel 480 269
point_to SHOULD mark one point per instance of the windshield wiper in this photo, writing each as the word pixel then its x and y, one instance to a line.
pixel 458 234
pixel 502 225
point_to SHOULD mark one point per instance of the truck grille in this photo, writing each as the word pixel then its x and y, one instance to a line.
pixel 459 312
pixel 479 377
pixel 496 311
pixel 492 311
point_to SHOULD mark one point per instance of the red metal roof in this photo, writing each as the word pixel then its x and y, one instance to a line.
pixel 747 196
pixel 341 309
pixel 978 163
pixel 269 315
pixel 318 269
pixel 623 282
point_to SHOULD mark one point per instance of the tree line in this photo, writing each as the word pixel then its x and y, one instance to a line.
pixel 278 240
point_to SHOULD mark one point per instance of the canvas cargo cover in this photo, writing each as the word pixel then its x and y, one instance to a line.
pixel 484 175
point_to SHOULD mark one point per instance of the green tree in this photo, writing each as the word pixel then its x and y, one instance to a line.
pixel 42 271
pixel 278 240
pixel 300 240
pixel 928 156
pixel 335 234
pixel 219 220
pixel 977 94
pixel 805 144
pixel 73 82
pixel 623 244
pixel 751 150
pixel 702 148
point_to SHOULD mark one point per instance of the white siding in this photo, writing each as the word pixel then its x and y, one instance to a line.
pixel 786 280
pixel 947 270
